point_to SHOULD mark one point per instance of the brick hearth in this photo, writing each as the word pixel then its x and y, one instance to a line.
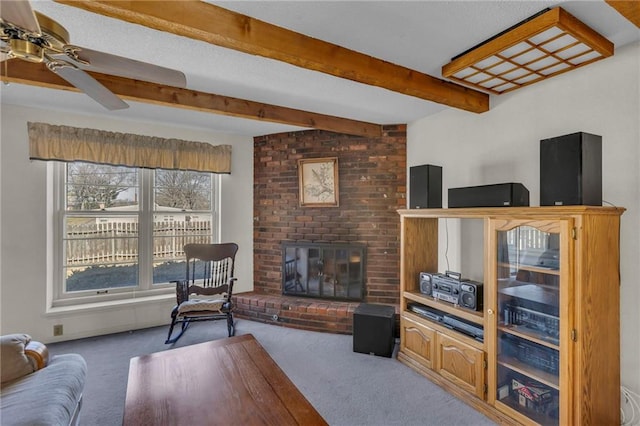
pixel 299 312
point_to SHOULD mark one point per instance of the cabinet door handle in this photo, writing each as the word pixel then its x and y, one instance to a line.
pixel 490 311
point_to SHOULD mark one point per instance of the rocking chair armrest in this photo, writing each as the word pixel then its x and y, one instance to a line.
pixel 182 291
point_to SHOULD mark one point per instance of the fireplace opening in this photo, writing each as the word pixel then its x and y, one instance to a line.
pixel 325 271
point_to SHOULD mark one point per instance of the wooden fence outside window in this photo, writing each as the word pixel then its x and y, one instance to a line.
pixel 116 242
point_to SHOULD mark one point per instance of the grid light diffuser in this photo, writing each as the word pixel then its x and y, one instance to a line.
pixel 549 43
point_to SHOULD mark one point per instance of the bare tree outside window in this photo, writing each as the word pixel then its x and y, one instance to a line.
pixel 183 189
pixel 97 186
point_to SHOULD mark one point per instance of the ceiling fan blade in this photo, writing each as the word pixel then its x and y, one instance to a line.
pixel 87 84
pixel 20 14
pixel 107 63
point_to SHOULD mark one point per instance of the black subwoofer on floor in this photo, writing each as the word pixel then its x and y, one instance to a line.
pixel 571 170
pixel 373 329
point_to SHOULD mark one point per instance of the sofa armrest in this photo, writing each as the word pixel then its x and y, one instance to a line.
pixel 14 363
pixel 38 354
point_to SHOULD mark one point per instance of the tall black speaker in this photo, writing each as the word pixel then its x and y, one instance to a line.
pixel 571 170
pixel 425 187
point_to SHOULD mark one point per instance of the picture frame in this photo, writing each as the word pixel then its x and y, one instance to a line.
pixel 318 182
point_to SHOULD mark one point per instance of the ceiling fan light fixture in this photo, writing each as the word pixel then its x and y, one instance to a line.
pixel 547 44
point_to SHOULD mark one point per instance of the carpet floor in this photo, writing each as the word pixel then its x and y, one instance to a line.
pixel 347 388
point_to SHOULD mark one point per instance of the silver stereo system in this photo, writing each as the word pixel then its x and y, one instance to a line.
pixel 450 287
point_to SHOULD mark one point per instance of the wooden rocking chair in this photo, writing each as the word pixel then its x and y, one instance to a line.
pixel 210 280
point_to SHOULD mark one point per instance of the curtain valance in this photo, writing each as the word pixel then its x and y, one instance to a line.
pixel 65 143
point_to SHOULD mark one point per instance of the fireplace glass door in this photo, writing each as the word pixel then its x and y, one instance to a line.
pixel 326 271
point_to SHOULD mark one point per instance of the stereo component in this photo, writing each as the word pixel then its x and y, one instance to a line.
pixel 450 287
pixel 471 295
pixel 373 329
pixel 534 297
pixel 548 326
pixel 425 283
pixel 497 195
pixel 425 187
pixel 446 287
pixel 571 170
pixel 474 330
pixel 426 312
pixel 530 353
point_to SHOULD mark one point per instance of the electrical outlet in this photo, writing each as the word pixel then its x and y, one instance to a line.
pixel 57 330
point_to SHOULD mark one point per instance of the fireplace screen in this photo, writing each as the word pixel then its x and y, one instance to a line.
pixel 327 271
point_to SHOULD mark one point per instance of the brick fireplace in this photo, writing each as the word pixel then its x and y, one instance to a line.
pixel 372 187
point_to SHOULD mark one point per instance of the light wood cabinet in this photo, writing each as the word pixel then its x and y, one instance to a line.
pixel 419 341
pixel 460 363
pixel 549 351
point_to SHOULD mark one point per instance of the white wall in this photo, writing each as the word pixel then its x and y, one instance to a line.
pixel 502 145
pixel 23 228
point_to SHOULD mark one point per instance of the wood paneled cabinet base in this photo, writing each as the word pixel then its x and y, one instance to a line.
pixel 550 297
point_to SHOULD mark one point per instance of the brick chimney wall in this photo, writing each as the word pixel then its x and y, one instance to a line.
pixel 372 187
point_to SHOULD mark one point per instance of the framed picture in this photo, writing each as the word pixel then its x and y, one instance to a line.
pixel 318 182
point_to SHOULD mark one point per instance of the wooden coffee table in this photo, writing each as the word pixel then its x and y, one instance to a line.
pixel 231 381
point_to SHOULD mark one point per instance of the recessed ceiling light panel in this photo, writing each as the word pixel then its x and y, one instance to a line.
pixel 549 43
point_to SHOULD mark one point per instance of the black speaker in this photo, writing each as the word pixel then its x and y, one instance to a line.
pixel 471 295
pixel 571 170
pixel 373 329
pixel 497 195
pixel 425 187
pixel 425 283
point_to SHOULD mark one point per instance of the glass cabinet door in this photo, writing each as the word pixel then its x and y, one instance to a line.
pixel 528 320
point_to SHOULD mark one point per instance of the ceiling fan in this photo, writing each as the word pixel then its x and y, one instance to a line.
pixel 30 36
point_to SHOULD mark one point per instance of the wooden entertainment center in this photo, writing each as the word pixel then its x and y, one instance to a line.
pixel 545 346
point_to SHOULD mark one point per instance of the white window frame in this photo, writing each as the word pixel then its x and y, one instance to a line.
pixel 145 288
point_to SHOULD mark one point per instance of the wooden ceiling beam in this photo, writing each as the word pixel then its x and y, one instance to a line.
pixel 213 24
pixel 19 71
pixel 630 9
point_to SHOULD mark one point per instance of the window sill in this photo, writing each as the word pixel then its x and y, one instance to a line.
pixel 110 304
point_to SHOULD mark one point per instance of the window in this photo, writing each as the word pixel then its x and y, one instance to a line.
pixel 120 231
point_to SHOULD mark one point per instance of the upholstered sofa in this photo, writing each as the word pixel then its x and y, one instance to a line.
pixel 36 389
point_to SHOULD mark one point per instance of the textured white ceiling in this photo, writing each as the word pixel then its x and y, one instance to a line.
pixel 422 35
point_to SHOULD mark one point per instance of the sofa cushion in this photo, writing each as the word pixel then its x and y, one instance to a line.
pixel 13 361
pixel 47 397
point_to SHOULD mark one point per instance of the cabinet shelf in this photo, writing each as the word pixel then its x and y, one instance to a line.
pixel 516 331
pixel 473 316
pixel 527 370
pixel 531 268
pixel 539 418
